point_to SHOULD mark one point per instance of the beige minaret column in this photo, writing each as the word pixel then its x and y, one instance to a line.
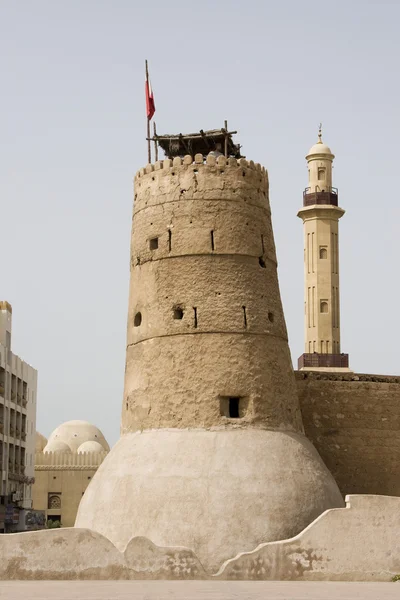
pixel 320 215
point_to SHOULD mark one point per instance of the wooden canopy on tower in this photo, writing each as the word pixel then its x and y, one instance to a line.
pixel 203 142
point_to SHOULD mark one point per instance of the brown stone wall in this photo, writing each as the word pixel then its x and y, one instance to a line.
pixel 354 422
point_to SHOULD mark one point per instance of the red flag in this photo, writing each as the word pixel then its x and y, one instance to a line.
pixel 150 105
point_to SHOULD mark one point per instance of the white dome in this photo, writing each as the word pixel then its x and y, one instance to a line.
pixel 319 148
pixel 40 442
pixel 75 433
pixel 57 446
pixel 90 447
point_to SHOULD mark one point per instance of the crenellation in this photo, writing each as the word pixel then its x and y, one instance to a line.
pixel 199 159
pixel 211 180
pixel 177 161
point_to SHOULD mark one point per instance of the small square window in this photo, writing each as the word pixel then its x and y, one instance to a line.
pixel 153 243
pixel 233 407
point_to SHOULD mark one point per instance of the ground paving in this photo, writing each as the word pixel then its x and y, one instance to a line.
pixel 193 590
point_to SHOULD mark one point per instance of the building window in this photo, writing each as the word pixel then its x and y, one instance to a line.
pixel 321 174
pixel 137 321
pixel 323 252
pixel 177 312
pixel 54 501
pixel 324 306
pixel 153 243
pixel 233 407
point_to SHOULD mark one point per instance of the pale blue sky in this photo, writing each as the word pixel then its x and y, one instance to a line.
pixel 72 129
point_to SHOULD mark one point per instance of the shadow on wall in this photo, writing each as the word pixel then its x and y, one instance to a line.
pixel 358 543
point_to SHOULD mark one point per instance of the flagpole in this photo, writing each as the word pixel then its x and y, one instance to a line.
pixel 148 125
pixel 155 142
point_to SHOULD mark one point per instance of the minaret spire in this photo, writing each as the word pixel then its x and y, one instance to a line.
pixel 320 215
pixel 320 134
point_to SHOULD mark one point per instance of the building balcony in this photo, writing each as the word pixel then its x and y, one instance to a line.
pixel 310 198
pixel 316 360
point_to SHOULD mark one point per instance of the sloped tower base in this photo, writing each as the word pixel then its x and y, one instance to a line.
pixel 217 492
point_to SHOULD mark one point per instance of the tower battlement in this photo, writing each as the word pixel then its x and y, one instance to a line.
pixel 201 177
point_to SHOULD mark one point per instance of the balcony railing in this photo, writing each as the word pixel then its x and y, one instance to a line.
pixel 335 361
pixel 320 197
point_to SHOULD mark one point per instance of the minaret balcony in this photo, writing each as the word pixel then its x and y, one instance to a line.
pixel 321 197
pixel 317 360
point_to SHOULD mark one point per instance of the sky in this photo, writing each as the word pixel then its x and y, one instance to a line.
pixel 72 135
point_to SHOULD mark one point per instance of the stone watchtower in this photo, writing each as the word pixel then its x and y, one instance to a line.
pixel 320 215
pixel 212 454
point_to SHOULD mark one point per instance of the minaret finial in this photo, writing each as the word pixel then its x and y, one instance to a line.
pixel 320 134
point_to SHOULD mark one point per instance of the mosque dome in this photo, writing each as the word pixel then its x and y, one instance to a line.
pixel 40 442
pixel 57 446
pixel 75 433
pixel 90 446
pixel 319 148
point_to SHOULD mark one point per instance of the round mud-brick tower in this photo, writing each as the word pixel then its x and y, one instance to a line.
pixel 212 454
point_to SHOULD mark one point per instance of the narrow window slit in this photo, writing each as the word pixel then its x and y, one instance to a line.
pixel 212 240
pixel 262 244
pixel 244 317
pixel 169 240
pixel 195 316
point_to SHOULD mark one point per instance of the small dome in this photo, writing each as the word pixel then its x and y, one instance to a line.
pixel 75 433
pixel 90 447
pixel 57 446
pixel 319 148
pixel 40 442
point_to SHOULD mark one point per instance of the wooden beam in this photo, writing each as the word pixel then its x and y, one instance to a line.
pixel 182 141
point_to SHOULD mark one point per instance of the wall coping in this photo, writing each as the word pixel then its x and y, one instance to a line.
pixel 352 377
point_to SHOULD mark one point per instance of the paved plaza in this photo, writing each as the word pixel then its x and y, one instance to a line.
pixel 193 590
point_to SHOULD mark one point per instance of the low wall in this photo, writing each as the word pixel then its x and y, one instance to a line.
pixel 358 543
pixel 354 422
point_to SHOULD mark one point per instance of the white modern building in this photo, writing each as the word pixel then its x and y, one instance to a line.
pixel 18 387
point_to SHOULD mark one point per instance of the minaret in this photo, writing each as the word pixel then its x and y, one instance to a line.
pixel 320 215
pixel 212 454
